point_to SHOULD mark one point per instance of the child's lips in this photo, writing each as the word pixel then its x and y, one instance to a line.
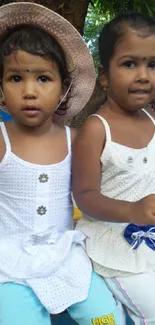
pixel 31 110
pixel 140 91
pixel 140 94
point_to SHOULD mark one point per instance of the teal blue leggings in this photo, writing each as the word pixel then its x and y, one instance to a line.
pixel 19 306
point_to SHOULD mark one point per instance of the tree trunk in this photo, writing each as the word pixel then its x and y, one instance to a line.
pixel 98 98
pixel 73 10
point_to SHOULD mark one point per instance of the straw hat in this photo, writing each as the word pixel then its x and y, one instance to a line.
pixel 77 54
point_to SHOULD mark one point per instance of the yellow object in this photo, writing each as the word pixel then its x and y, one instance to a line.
pixel 77 214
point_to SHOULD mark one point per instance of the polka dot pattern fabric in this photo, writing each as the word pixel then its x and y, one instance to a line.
pixel 38 246
pixel 127 174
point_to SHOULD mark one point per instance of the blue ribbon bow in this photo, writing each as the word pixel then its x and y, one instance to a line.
pixel 136 234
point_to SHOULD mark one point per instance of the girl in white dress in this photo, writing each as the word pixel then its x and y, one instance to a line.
pixel 43 264
pixel 114 167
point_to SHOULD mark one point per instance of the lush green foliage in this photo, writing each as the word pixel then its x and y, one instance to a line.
pixel 93 24
pixel 101 11
pixel 113 7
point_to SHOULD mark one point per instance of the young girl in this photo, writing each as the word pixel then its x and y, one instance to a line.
pixel 114 179
pixel 41 66
pixel 47 76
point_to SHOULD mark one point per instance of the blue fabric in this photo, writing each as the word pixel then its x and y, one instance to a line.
pixel 65 319
pixel 99 308
pixel 135 235
pixel 5 117
pixel 19 306
pixel 129 321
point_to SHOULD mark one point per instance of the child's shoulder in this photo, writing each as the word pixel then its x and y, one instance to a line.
pixel 94 127
pixel 91 136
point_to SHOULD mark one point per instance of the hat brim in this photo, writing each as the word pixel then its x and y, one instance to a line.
pixel 77 54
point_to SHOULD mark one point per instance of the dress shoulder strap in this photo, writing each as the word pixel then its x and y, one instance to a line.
pixel 106 126
pixel 68 135
pixel 5 136
pixel 149 115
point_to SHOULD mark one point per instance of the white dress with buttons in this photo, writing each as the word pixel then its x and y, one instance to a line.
pixel 127 174
pixel 38 246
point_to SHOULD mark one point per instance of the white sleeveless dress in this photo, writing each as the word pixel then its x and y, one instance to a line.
pixel 38 246
pixel 127 174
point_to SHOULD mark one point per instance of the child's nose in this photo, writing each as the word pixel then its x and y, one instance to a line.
pixel 29 90
pixel 143 75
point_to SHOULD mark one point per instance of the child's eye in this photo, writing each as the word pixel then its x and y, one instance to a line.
pixel 15 79
pixel 129 64
pixel 152 65
pixel 43 79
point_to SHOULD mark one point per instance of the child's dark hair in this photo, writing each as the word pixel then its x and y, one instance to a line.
pixel 36 41
pixel 116 28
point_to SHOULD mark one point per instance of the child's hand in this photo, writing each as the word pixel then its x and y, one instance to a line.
pixel 143 211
